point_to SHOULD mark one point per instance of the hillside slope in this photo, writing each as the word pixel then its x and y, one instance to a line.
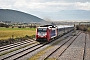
pixel 17 16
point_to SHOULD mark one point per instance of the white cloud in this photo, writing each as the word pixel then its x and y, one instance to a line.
pixel 56 6
pixel 44 5
pixel 20 4
pixel 83 6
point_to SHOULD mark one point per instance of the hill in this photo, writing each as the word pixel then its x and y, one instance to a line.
pixel 17 16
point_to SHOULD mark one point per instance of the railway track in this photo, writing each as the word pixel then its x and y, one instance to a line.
pixel 3 47
pixel 15 45
pixel 77 50
pixel 53 52
pixel 16 55
pixel 84 48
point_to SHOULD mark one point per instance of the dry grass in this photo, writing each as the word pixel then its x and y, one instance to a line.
pixel 51 59
pixel 89 29
pixel 6 33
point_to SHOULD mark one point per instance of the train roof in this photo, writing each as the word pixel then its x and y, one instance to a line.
pixel 53 26
pixel 46 25
pixel 64 26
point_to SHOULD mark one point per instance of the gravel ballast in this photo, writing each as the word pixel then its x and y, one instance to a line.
pixel 76 50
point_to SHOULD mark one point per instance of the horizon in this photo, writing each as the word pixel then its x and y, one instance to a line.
pixel 57 10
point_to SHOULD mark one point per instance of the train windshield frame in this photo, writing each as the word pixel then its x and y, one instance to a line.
pixel 42 29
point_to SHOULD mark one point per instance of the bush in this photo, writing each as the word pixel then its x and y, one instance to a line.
pixel 88 29
pixel 19 27
pixel 7 26
pixel 81 27
pixel 33 36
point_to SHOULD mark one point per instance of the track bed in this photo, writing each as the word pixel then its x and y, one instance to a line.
pixel 67 47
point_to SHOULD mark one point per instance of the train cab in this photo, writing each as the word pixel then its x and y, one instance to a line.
pixel 45 33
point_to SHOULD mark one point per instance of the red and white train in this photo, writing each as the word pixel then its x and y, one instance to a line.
pixel 47 32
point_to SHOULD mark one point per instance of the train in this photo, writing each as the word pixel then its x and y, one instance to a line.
pixel 49 32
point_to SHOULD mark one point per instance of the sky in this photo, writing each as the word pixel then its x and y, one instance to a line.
pixel 51 9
